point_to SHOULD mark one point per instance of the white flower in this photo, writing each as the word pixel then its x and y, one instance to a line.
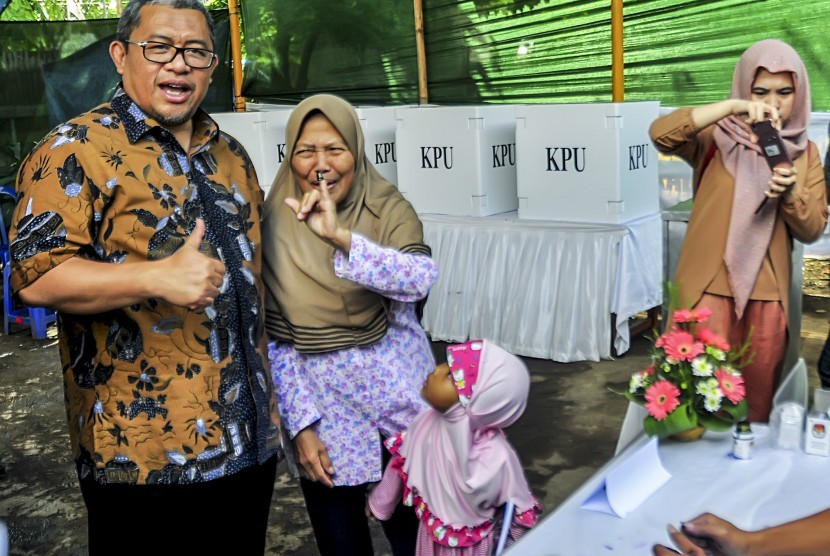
pixel 702 367
pixel 712 403
pixel 708 387
pixel 636 382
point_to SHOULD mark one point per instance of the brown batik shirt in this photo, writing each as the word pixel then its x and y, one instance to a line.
pixel 155 393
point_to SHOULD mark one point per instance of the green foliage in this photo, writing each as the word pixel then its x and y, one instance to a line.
pixel 216 4
pixel 500 7
pixel 304 47
pixel 55 10
pixel 743 356
pixel 32 10
pixel 681 419
pixel 726 418
pixel 671 297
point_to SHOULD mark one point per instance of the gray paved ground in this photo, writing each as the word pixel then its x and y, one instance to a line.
pixel 568 431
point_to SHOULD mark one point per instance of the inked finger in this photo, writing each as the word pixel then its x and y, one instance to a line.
pixel 324 190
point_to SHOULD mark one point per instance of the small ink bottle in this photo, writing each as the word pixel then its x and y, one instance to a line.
pixel 744 441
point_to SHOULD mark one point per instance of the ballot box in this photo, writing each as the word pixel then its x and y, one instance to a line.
pixel 586 162
pixel 261 130
pixel 457 160
pixel 378 125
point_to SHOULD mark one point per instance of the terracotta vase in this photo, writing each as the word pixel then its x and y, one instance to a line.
pixel 689 435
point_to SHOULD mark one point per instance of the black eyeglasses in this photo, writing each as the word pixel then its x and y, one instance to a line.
pixel 163 53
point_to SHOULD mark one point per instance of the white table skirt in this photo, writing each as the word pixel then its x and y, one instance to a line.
pixel 541 289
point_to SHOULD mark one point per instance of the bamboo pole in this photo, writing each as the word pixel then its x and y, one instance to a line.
pixel 423 95
pixel 617 75
pixel 236 54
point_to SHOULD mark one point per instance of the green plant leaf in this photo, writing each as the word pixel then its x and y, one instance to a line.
pixel 738 411
pixel 681 419
pixel 726 417
pixel 715 424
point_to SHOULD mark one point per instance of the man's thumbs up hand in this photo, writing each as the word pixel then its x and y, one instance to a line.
pixel 188 277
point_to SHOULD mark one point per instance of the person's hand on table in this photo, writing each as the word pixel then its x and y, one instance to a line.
pixel 707 535
pixel 682 542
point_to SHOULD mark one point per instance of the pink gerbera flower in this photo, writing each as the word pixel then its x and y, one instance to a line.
pixel 711 339
pixel 680 345
pixel 661 340
pixel 701 314
pixel 662 398
pixel 683 315
pixel 731 385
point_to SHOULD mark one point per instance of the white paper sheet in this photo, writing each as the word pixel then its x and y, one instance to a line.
pixel 629 484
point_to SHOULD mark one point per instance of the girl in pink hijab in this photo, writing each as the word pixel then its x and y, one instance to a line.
pixel 736 255
pixel 454 465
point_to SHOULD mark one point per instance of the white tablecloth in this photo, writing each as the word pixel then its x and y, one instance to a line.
pixel 541 289
pixel 773 487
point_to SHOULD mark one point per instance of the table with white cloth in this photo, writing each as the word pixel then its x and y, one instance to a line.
pixel 545 289
pixel 773 487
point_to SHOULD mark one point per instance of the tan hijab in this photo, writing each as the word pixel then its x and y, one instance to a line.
pixel 749 233
pixel 306 304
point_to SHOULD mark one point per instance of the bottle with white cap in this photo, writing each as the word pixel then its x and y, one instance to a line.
pixel 743 441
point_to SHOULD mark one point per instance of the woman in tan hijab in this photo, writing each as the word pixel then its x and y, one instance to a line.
pixel 736 254
pixel 345 266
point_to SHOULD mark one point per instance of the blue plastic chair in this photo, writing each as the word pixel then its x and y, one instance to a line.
pixel 36 318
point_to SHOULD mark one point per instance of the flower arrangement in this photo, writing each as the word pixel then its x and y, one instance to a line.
pixel 693 380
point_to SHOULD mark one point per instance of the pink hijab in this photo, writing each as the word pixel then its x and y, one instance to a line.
pixel 460 462
pixel 750 233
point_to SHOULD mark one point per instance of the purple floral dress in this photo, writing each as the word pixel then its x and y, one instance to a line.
pixel 355 397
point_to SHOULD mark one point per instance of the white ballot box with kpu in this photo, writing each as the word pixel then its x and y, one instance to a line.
pixel 586 162
pixel 261 130
pixel 378 125
pixel 457 160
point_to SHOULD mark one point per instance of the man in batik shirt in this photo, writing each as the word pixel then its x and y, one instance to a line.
pixel 139 222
